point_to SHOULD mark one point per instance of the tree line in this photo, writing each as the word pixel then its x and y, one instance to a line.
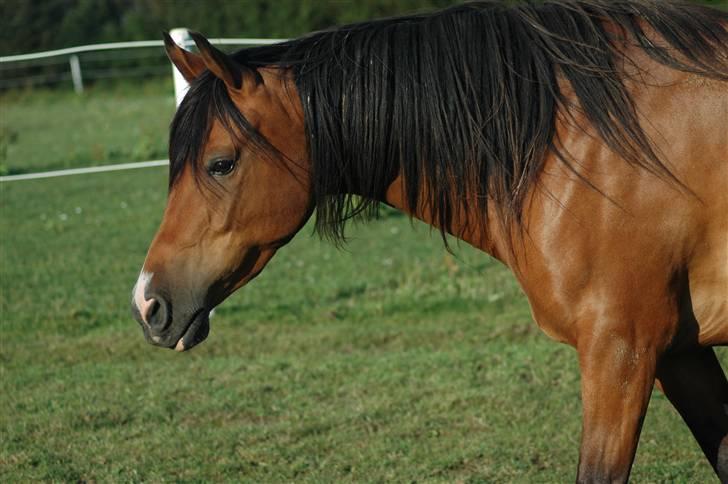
pixel 30 26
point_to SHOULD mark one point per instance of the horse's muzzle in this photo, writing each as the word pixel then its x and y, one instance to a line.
pixel 196 332
pixel 161 330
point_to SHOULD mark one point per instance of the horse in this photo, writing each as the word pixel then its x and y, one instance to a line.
pixel 582 143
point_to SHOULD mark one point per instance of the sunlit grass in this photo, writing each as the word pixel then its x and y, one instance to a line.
pixel 54 129
pixel 389 361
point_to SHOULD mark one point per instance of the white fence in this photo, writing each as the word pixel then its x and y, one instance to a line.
pixel 84 171
pixel 73 59
pixel 71 55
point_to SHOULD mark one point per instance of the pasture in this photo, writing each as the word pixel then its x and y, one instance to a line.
pixel 50 129
pixel 390 360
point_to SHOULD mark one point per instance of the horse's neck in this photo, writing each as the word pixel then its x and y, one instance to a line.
pixel 484 233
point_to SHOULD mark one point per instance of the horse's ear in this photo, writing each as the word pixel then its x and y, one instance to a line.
pixel 189 64
pixel 222 65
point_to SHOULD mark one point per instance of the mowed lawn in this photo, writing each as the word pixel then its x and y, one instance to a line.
pixel 54 129
pixel 390 360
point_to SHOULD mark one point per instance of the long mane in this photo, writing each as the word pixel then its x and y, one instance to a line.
pixel 462 102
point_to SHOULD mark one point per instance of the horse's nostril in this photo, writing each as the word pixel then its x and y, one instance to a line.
pixel 153 308
pixel 158 314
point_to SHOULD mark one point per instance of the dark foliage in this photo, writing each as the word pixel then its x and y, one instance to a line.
pixel 29 26
pixel 462 102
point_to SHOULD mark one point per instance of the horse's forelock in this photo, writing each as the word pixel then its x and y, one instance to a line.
pixel 207 101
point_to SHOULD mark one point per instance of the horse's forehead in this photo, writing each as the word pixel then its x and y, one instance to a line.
pixel 217 132
pixel 219 138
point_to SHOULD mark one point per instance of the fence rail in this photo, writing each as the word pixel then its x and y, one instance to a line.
pixel 125 45
pixel 82 171
pixel 72 56
pixel 73 53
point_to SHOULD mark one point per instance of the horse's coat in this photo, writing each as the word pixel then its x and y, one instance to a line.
pixel 582 143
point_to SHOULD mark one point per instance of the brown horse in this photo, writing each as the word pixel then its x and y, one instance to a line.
pixel 583 143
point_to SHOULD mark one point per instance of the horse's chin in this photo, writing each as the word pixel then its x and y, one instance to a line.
pixel 196 332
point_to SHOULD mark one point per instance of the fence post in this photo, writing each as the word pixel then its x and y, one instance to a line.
pixel 182 37
pixel 76 73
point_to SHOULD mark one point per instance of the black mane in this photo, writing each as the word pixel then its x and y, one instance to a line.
pixel 462 102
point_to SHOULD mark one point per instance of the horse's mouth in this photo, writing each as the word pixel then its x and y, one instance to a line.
pixel 196 332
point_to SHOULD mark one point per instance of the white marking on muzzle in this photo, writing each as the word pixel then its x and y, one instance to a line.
pixel 139 299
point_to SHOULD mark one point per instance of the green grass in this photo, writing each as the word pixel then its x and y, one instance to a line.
pixel 54 129
pixel 389 361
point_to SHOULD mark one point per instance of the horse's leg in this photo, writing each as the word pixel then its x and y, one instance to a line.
pixel 617 379
pixel 697 387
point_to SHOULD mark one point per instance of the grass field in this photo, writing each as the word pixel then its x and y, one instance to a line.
pixel 388 361
pixel 54 129
pixel 391 360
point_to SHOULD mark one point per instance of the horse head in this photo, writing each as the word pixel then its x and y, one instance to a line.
pixel 239 189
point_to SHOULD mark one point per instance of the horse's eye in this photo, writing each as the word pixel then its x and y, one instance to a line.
pixel 221 167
